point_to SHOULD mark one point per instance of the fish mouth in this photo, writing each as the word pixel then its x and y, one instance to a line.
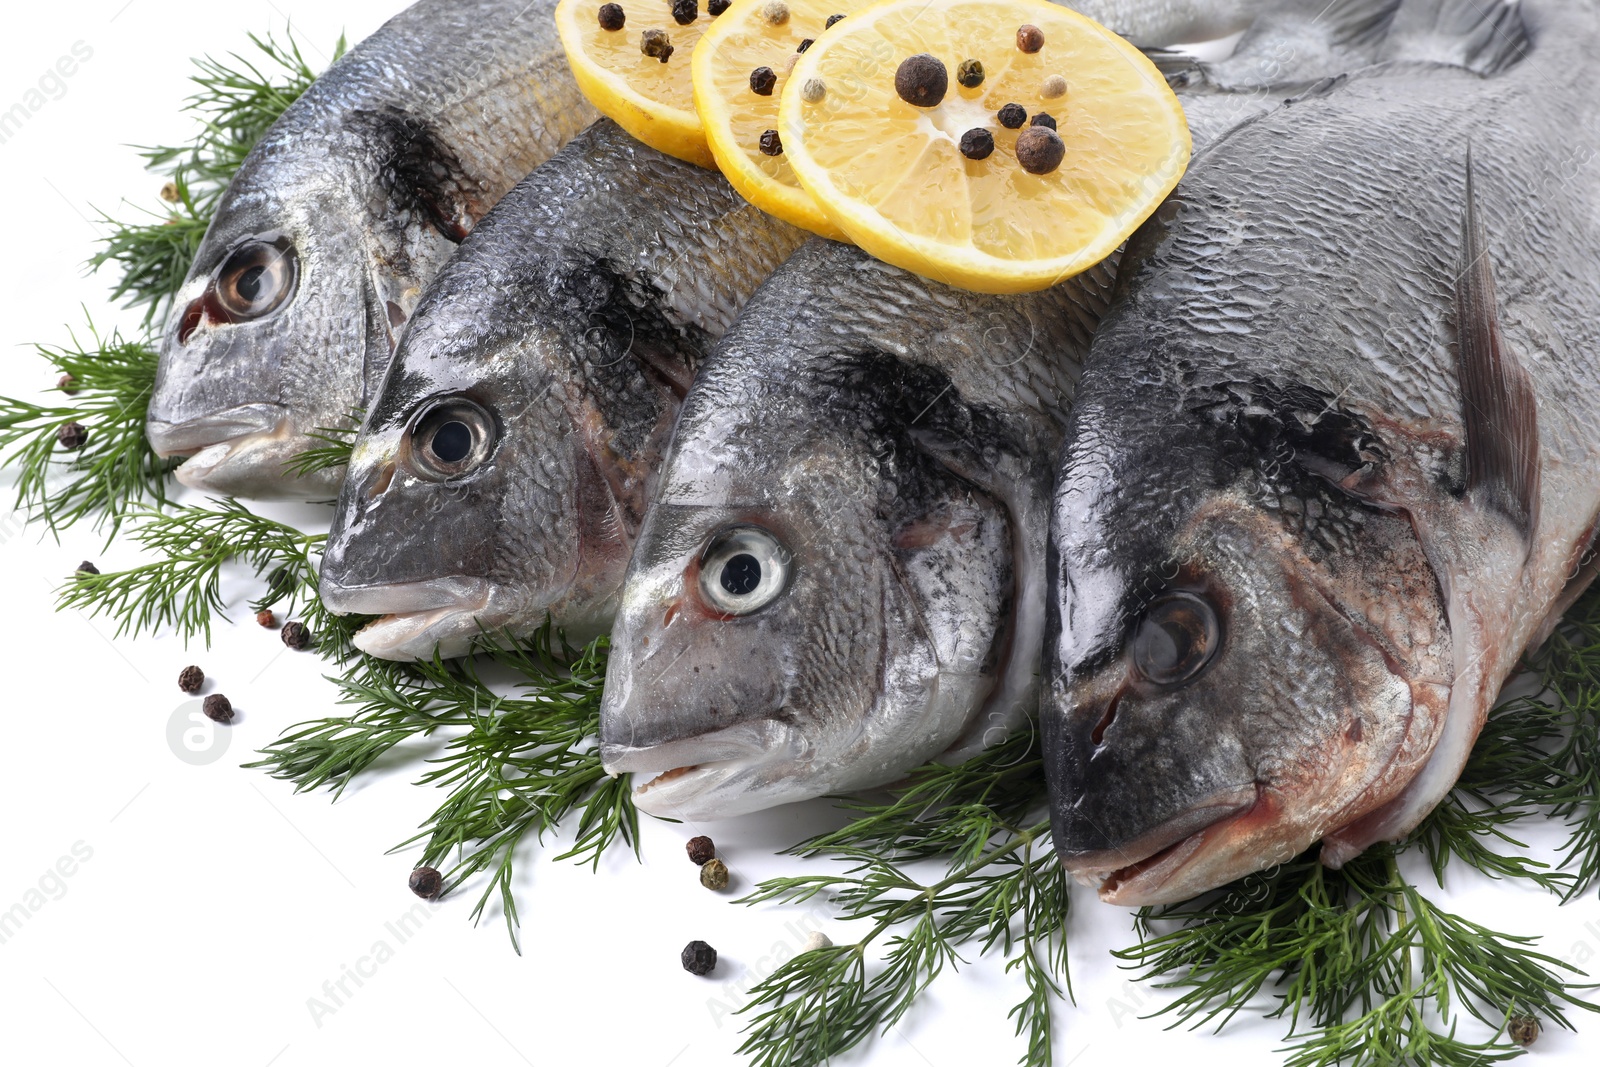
pixel 1144 870
pixel 417 620
pixel 192 436
pixel 696 777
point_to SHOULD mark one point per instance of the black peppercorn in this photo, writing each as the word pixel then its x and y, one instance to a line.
pixel 612 17
pixel 762 79
pixel 656 44
pixel 701 851
pixel 296 636
pixel 685 11
pixel 717 7
pixel 977 144
pixel 969 75
pixel 1030 38
pixel 266 619
pixel 771 144
pixel 1040 150
pixel 218 708
pixel 67 384
pixel 1012 116
pixel 714 875
pixel 72 435
pixel 805 44
pixel 279 584
pixel 426 883
pixel 921 80
pixel 831 20
pixel 1523 1029
pixel 86 568
pixel 1045 119
pixel 699 958
pixel 190 679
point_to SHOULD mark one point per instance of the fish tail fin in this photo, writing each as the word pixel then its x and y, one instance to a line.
pixel 1484 36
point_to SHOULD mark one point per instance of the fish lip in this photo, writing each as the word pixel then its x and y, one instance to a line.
pixel 1126 874
pixel 403 599
pixel 683 771
pixel 229 426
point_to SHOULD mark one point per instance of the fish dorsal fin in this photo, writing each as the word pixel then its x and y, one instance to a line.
pixel 1497 399
pixel 1484 36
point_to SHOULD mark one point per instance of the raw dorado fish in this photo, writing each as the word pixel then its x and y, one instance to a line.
pixel 336 221
pixel 503 472
pixel 842 574
pixel 1335 462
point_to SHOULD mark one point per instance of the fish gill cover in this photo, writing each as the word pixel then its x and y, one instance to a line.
pixel 1366 969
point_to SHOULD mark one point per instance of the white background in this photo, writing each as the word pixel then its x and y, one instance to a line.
pixel 215 904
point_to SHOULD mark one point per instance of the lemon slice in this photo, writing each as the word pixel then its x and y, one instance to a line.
pixel 893 175
pixel 750 35
pixel 651 99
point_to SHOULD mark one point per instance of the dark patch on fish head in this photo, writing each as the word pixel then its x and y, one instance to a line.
pixel 814 603
pixel 508 457
pixel 1245 655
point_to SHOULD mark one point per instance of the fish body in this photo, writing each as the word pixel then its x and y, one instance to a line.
pixel 337 219
pixel 506 463
pixel 1335 463
pixel 842 573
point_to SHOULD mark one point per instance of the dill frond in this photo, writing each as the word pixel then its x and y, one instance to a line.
pixel 337 443
pixel 115 471
pixel 514 766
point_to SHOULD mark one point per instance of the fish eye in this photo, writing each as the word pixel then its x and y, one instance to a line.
pixel 450 437
pixel 256 279
pixel 1176 639
pixel 743 569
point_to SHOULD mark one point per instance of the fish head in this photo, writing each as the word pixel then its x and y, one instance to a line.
pixel 310 266
pixel 494 486
pixel 1245 654
pixel 814 602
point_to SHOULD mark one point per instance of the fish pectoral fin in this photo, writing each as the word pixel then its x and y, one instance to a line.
pixel 1499 408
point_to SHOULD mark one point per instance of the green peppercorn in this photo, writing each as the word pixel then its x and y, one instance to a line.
pixel 685 11
pixel 762 79
pixel 1039 150
pixel 612 17
pixel 921 80
pixel 714 875
pixel 699 958
pixel 977 144
pixel 426 883
pixel 218 708
pixel 771 144
pixel 1045 119
pixel 1030 38
pixel 190 679
pixel 656 44
pixel 969 75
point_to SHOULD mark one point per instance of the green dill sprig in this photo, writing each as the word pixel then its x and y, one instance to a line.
pixel 236 100
pixel 181 589
pixel 115 471
pixel 337 444
pixel 514 766
pixel 1366 969
pixel 1003 887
